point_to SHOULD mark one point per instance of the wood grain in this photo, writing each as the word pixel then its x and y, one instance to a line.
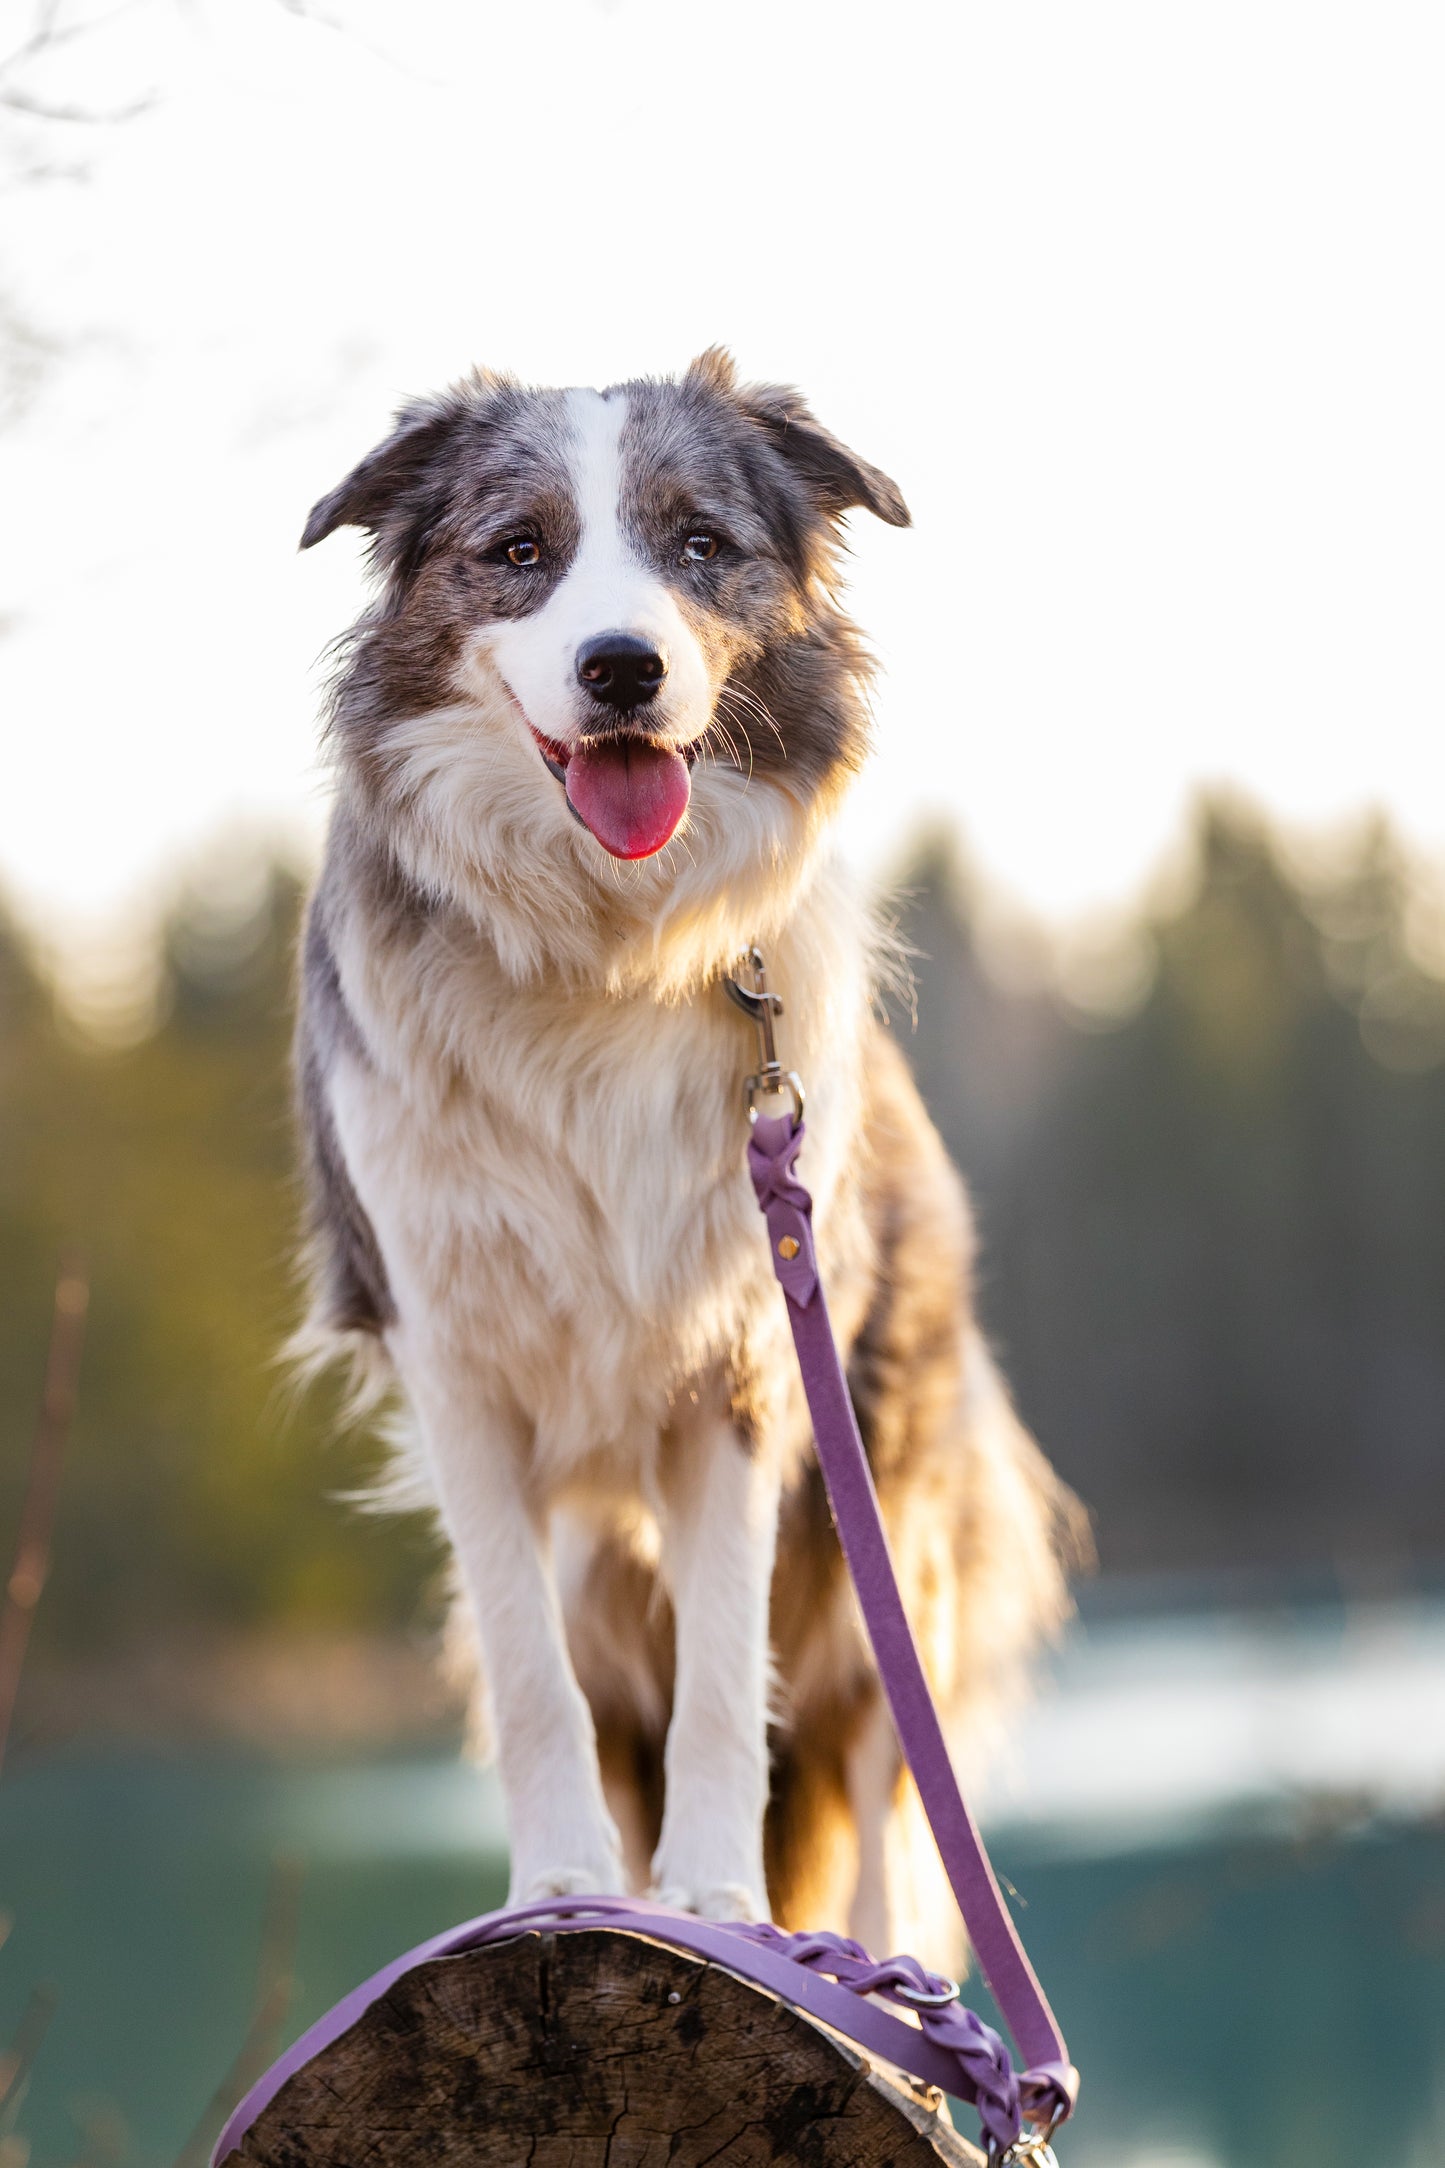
pixel 592 2047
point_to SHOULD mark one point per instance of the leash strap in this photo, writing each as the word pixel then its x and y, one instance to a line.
pixel 1049 2084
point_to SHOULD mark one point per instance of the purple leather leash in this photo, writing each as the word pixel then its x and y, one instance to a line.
pixel 825 1975
pixel 1050 2083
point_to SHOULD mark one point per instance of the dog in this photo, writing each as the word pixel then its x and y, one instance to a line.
pixel 589 744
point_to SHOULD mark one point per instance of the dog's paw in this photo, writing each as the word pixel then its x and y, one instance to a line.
pixel 719 1901
pixel 565 1882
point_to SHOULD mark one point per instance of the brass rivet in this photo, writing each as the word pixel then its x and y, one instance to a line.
pixel 788 1247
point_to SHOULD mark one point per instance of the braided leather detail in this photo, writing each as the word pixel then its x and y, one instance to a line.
pixel 773 1148
pixel 980 2052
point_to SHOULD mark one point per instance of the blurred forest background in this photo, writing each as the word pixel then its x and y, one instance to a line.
pixel 1209 1168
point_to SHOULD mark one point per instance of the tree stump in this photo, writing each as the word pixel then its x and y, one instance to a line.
pixel 593 2046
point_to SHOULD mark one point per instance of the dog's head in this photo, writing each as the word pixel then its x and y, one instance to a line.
pixel 617 605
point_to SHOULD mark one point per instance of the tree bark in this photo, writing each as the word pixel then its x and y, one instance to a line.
pixel 593 2046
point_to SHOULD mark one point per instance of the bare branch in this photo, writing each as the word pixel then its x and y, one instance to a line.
pixel 42 1490
pixel 306 12
pixel 18 2060
pixel 47 33
pixel 20 101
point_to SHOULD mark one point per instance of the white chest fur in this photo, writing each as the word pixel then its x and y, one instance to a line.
pixel 556 1177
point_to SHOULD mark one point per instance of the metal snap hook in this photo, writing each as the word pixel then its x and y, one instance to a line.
pixel 928 1998
pixel 762 1006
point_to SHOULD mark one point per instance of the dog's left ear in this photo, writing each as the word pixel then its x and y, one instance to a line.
pixel 838 478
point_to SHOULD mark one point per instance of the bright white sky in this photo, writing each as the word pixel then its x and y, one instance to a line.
pixel 1141 304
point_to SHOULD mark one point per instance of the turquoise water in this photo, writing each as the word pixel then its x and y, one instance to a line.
pixel 1246 1989
pixel 138 1891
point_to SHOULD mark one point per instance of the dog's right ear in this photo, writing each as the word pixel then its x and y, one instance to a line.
pixel 392 486
pixel 389 479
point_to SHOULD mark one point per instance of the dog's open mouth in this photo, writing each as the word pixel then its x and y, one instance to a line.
pixel 630 791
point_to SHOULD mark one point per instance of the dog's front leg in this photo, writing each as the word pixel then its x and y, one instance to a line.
pixel 563 1839
pixel 719 1535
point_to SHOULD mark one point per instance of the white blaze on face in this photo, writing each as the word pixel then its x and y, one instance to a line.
pixel 608 587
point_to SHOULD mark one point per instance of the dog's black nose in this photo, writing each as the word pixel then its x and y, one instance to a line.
pixel 619 669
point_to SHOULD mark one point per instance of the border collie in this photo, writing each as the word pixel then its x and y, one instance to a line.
pixel 589 744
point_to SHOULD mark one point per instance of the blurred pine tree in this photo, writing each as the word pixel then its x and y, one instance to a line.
pixel 197 1490
pixel 1214 1234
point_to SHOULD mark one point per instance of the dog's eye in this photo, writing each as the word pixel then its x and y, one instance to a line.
pixel 522 550
pixel 699 547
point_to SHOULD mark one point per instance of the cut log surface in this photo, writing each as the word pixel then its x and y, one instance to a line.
pixel 592 2046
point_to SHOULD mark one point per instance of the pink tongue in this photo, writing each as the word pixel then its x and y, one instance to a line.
pixel 631 795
